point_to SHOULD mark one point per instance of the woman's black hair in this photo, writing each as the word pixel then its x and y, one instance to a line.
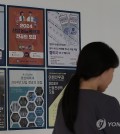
pixel 93 60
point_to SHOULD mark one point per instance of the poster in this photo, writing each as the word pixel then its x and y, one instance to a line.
pixel 26 99
pixel 57 79
pixel 63 38
pixel 2 100
pixel 25 36
pixel 2 36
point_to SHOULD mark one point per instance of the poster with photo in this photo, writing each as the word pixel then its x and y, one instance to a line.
pixel 25 36
pixel 2 36
pixel 63 38
pixel 2 100
pixel 57 79
pixel 26 99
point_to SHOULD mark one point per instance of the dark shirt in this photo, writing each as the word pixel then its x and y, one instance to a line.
pixel 98 113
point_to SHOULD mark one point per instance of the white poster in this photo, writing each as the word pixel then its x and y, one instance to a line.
pixel 63 38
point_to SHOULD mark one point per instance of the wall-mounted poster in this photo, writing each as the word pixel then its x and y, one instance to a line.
pixel 26 99
pixel 56 82
pixel 25 36
pixel 63 38
pixel 2 100
pixel 2 36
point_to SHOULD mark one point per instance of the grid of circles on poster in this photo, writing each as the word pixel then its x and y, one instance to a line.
pixel 36 65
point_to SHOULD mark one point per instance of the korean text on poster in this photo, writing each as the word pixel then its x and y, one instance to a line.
pixel 26 36
pixel 57 81
pixel 63 38
pixel 26 99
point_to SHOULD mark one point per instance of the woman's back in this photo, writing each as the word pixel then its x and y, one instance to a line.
pixel 82 111
pixel 97 114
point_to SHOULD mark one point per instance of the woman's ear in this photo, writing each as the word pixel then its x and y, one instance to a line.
pixel 106 78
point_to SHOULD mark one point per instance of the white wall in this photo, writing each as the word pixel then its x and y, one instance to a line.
pixel 100 21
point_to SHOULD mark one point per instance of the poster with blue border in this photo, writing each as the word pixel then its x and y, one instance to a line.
pixel 2 35
pixel 26 45
pixel 57 80
pixel 3 120
pixel 26 99
pixel 62 38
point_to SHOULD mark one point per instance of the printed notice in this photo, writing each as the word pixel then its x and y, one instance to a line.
pixel 26 36
pixel 26 99
pixel 2 36
pixel 2 100
pixel 57 81
pixel 63 38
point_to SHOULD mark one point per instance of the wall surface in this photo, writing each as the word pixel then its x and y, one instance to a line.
pixel 100 21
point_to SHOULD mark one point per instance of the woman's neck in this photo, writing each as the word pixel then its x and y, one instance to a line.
pixel 89 84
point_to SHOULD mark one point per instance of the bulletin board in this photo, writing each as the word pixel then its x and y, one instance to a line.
pixel 37 62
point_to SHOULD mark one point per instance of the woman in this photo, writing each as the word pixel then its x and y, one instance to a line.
pixel 84 108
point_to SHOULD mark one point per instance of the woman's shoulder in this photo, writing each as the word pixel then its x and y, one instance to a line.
pixel 109 98
pixel 97 96
pixel 108 102
pixel 112 101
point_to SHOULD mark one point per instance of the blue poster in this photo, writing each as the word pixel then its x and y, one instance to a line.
pixel 26 99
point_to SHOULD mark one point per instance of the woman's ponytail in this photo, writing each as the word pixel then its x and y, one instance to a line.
pixel 70 102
